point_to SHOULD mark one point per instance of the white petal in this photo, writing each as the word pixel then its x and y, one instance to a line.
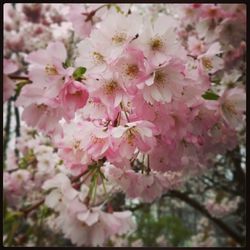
pixel 52 199
pixel 156 94
pixel 118 131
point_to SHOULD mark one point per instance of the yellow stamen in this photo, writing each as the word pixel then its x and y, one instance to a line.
pixel 160 77
pixel 110 87
pixel 132 70
pixel 98 57
pixel 51 70
pixel 119 38
pixel 156 44
pixel 207 63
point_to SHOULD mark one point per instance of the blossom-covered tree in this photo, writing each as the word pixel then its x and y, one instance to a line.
pixel 119 111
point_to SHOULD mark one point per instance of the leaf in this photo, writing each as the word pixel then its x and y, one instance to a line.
pixel 209 95
pixel 79 72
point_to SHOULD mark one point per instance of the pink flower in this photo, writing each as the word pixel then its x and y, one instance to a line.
pixel 209 61
pixel 72 144
pixel 72 97
pixel 137 185
pixel 16 186
pixel 47 73
pixel 196 46
pixel 165 83
pixel 211 11
pixel 46 66
pixel 139 134
pixel 89 217
pixel 36 94
pixel 108 87
pixel 78 16
pixel 96 110
pixel 14 181
pixel 93 53
pixel 233 105
pixel 152 189
pixel 159 41
pixel 62 190
pixel 42 117
pixel 84 142
pixel 132 69
pixel 131 183
pixel 117 31
pixel 50 93
pixel 9 67
pixel 98 141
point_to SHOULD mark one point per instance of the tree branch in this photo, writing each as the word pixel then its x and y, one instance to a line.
pixel 17 129
pixel 35 206
pixel 224 227
pixel 7 130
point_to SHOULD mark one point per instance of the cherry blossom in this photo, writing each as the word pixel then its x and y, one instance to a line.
pixel 116 99
pixel 8 85
pixel 233 105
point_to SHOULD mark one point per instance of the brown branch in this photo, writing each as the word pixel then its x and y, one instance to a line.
pixel 11 170
pixel 91 14
pixel 194 57
pixel 14 77
pixel 7 130
pixel 239 174
pixel 35 206
pixel 17 129
pixel 76 178
pixel 224 227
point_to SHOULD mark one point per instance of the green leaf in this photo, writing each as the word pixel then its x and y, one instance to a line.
pixel 79 72
pixel 209 95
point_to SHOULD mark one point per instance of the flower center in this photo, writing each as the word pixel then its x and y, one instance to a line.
pixel 229 107
pixel 76 145
pixel 207 63
pixel 51 70
pixel 131 70
pixel 119 38
pixel 160 77
pixel 96 140
pixel 130 136
pixel 156 44
pixel 110 87
pixel 42 107
pixel 98 57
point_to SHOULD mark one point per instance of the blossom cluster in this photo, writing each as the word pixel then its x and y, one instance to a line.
pixel 82 224
pixel 205 236
pixel 132 103
pixel 222 208
pixel 25 174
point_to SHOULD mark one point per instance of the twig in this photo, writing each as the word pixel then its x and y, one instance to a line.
pixel 75 179
pixel 7 130
pixel 35 206
pixel 224 227
pixel 17 129
pixel 14 77
pixel 91 14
